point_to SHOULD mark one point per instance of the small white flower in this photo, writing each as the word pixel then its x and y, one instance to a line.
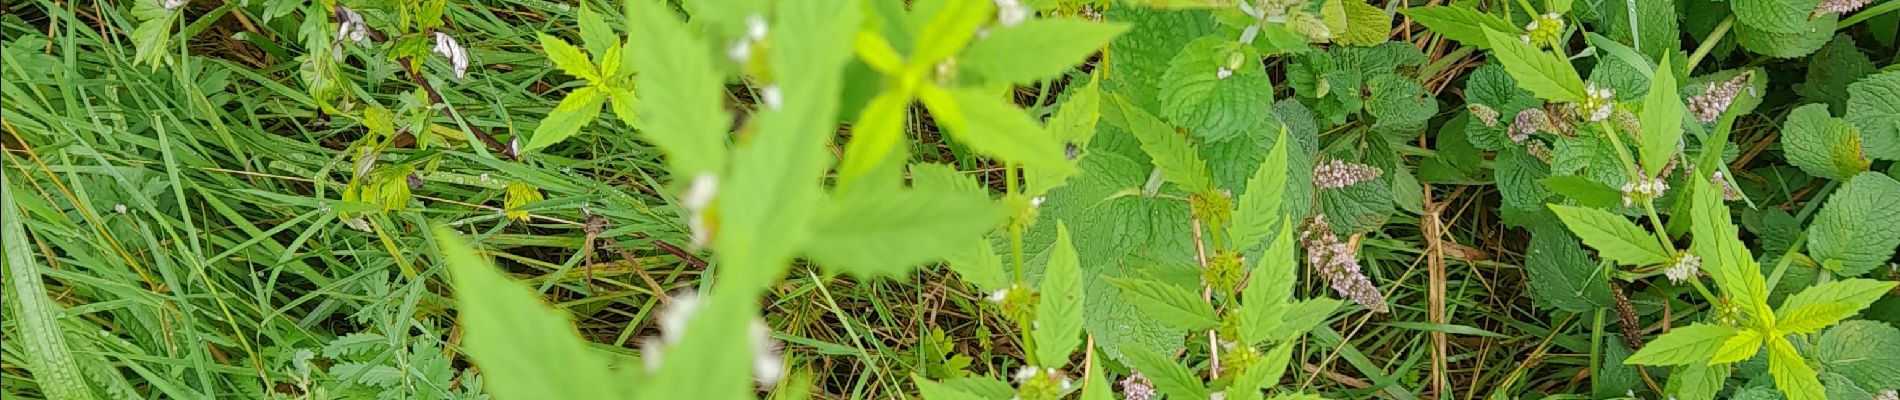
pixel 1011 12
pixel 773 97
pixel 351 25
pixel 1684 269
pixel 675 314
pixel 1026 372
pixel 1067 384
pixel 453 52
pixel 1598 103
pixel 755 27
pixel 1524 38
pixel 1221 395
pixel 1223 73
pixel 998 295
pixel 1036 201
pixel 740 51
pixel 175 4
pixel 699 195
pixel 653 354
pixel 768 365
pixel 119 207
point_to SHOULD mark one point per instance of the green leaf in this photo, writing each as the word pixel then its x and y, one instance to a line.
pixel 1873 104
pixel 595 34
pixel 1398 104
pixel 1169 377
pixel 932 390
pixel 1094 385
pixel 1833 70
pixel 1037 49
pixel 1824 304
pixel 886 232
pixel 1583 190
pixel 30 311
pixel 1791 373
pixel 1801 42
pixel 1260 206
pixel 1661 121
pixel 1694 381
pixel 525 349
pixel 1462 24
pixel 949 30
pixel 1782 16
pixel 995 128
pixel 1821 145
pixel 1179 163
pixel 1168 304
pixel 1366 25
pixel 682 95
pixel 1059 313
pixel 1074 126
pixel 569 59
pixel 1724 257
pixel 1303 315
pixel 1269 287
pixel 1540 72
pixel 1689 344
pixel 1860 225
pixel 1613 236
pixel 578 109
pixel 874 137
pixel 1263 374
pixel 1213 108
pixel 1865 351
pixel 1740 347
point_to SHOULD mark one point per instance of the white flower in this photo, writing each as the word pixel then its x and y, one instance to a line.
pixel 1024 373
pixel 1643 190
pixel 768 365
pixel 699 195
pixel 740 51
pixel 1223 73
pixel 1221 395
pixel 756 28
pixel 350 25
pixel 1011 12
pixel 773 98
pixel 998 295
pixel 1598 103
pixel 175 4
pixel 1036 201
pixel 1684 269
pixel 119 207
pixel 453 52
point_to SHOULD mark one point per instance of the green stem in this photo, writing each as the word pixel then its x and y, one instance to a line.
pixel 1596 349
pixel 1868 14
pixel 1787 257
pixel 1709 43
pixel 1015 227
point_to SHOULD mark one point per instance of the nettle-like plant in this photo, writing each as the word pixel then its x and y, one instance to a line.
pixel 758 197
pixel 1613 146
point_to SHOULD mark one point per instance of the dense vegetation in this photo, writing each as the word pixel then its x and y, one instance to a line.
pixel 950 199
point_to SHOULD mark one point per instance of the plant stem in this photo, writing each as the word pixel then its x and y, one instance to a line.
pixel 1868 14
pixel 1709 43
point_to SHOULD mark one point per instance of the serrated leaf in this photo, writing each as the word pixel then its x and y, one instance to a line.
pixel 1824 304
pixel 1649 26
pixel 1366 25
pixel 1542 73
pixel 525 349
pixel 1783 16
pixel 1059 313
pixel 1832 70
pixel 1791 373
pixel 1694 381
pixel 1661 121
pixel 1865 351
pixel 1859 226
pixel 1260 205
pixel 1584 191
pixel 1801 42
pixel 1562 276
pixel 1037 49
pixel 682 94
pixel 1724 257
pixel 1490 86
pixel 1737 348
pixel 1301 316
pixel 1169 304
pixel 886 232
pixel 568 58
pixel 1196 97
pixel 875 136
pixel 994 128
pixel 1458 23
pixel 1399 105
pixel 1263 374
pixel 1169 377
pixel 932 390
pixel 1821 145
pixel 1269 286
pixel 1179 163
pixel 1613 236
pixel 595 34
pixel 1693 343
pixel 575 111
pixel 1094 385
pixel 949 30
pixel 1873 104
pixel 623 103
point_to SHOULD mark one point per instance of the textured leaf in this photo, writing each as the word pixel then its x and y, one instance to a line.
pixel 1399 105
pixel 1040 48
pixel 1832 70
pixel 1462 24
pixel 1260 206
pixel 1650 28
pixel 1798 43
pixel 1168 304
pixel 33 313
pixel 1059 314
pixel 1791 373
pixel 1493 88
pixel 1662 121
pixel 1693 343
pixel 1695 381
pixel 1366 25
pixel 885 233
pixel 1169 377
pixel 1269 286
pixel 1859 226
pixel 1823 146
pixel 1195 96
pixel 1724 257
pixel 1781 16
pixel 1865 351
pixel 525 349
pixel 1873 104
pixel 995 128
pixel 682 94
pixel 1134 71
pixel 1562 276
pixel 578 109
pixel 595 34
pixel 1179 163
pixel 1542 73
pixel 1613 236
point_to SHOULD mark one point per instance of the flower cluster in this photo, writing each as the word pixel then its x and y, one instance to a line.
pixel 1137 387
pixel 1484 113
pixel 1598 103
pixel 1543 30
pixel 1528 122
pixel 1339 174
pixel 1036 383
pixel 350 25
pixel 1728 190
pixel 1684 269
pixel 1643 189
pixel 1839 6
pixel 755 30
pixel 1717 97
pixel 1011 12
pixel 1338 262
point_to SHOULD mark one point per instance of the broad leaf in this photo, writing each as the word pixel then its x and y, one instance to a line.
pixel 1661 121
pixel 1168 304
pixel 1366 25
pixel 682 95
pixel 1824 304
pixel 1693 343
pixel 1723 255
pixel 1865 351
pixel 1791 373
pixel 1860 225
pixel 1873 104
pixel 578 109
pixel 1459 23
pixel 1613 236
pixel 1059 314
pixel 995 128
pixel 1542 73
pixel 1213 107
pixel 1823 146
pixel 886 232
pixel 1179 163
pixel 1740 347
pixel 1260 206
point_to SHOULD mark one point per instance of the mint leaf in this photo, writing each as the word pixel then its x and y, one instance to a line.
pixel 1613 236
pixel 1492 88
pixel 1059 314
pixel 1540 72
pixel 1859 227
pixel 1832 69
pixel 1462 24
pixel 1823 146
pixel 1779 16
pixel 1800 42
pixel 1562 276
pixel 1399 105
pixel 1036 49
pixel 1873 104
pixel 1865 351
pixel 1683 345
pixel 1195 95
